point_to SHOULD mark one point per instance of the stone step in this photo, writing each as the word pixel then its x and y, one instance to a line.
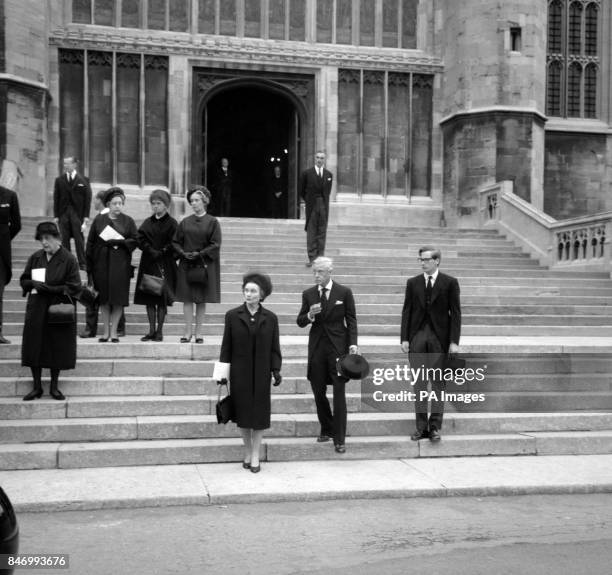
pixel 146 427
pixel 173 451
pixel 129 406
pixel 559 383
pixel 486 328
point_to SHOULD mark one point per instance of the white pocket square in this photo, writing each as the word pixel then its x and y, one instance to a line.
pixel 80 185
pixel 339 301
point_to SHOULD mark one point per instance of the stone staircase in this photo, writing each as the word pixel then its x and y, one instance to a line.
pixel 149 403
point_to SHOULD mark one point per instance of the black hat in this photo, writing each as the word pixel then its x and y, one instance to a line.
pixel 46 229
pixel 262 280
pixel 352 366
pixel 161 195
pixel 111 193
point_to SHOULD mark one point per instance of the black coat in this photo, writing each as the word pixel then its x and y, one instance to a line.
pixel 110 266
pixel 311 186
pixel 43 344
pixel 338 323
pixel 155 240
pixel 75 194
pixel 10 225
pixel 444 309
pixel 253 352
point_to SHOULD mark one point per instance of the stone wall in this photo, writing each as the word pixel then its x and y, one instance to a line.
pixel 577 174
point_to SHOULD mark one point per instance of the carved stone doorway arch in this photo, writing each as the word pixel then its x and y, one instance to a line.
pixel 234 112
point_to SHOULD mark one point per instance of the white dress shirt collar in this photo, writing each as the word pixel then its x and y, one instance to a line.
pixel 434 277
pixel 327 286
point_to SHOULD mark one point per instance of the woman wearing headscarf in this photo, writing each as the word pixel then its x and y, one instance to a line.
pixel 197 242
pixel 112 239
pixel 251 346
pixel 51 276
pixel 155 240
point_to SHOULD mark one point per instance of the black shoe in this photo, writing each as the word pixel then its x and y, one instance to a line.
pixel 199 340
pixel 340 448
pixel 323 438
pixel 34 394
pixel 148 337
pixel 102 339
pixel 246 465
pixel 3 339
pixel 86 335
pixel 57 394
pixel 158 336
pixel 114 340
pixel 423 434
pixel 434 435
pixel 255 468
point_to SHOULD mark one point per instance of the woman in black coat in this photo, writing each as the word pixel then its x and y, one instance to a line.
pixel 51 276
pixel 155 240
pixel 109 261
pixel 251 346
pixel 197 243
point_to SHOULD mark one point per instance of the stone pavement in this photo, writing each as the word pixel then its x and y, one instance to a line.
pixel 226 483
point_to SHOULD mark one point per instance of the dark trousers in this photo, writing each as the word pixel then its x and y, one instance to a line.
pixel 3 282
pixel 225 204
pixel 426 350
pixel 323 373
pixel 91 319
pixel 316 230
pixel 70 227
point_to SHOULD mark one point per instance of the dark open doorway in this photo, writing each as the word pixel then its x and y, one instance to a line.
pixel 255 129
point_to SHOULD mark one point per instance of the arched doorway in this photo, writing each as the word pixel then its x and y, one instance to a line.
pixel 256 128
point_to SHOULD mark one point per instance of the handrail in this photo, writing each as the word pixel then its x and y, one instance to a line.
pixel 578 243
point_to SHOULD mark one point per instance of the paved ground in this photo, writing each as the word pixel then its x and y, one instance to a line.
pixel 223 483
pixel 527 535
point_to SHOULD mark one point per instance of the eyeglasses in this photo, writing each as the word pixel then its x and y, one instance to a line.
pixel 421 260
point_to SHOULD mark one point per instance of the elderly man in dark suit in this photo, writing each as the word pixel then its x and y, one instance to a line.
pixel 431 327
pixel 10 224
pixel 71 205
pixel 329 309
pixel 315 187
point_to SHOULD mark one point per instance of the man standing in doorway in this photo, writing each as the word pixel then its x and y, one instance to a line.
pixel 431 326
pixel 278 194
pixel 315 188
pixel 329 309
pixel 10 224
pixel 222 189
pixel 71 205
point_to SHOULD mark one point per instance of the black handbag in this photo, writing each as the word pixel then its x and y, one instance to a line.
pixel 153 285
pixel 61 313
pixel 225 407
pixel 87 295
pixel 197 273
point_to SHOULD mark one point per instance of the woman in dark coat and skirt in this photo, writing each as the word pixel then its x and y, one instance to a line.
pixel 251 346
pixel 197 242
pixel 155 240
pixel 109 262
pixel 48 345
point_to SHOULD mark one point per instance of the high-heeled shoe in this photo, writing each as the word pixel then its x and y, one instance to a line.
pixel 255 468
pixel 34 394
pixel 103 339
pixel 57 394
pixel 114 340
pixel 199 340
pixel 185 339
pixel 246 465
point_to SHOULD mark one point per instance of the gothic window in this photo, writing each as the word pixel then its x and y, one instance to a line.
pixel 572 58
pixel 384 133
pixel 113 121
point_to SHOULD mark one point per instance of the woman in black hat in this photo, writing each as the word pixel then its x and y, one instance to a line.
pixel 197 242
pixel 51 276
pixel 251 347
pixel 155 240
pixel 112 239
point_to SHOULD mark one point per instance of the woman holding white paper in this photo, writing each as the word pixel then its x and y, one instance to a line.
pixel 112 239
pixel 51 276
pixel 251 346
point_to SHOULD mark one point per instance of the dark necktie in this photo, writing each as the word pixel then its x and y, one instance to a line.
pixel 323 299
pixel 428 291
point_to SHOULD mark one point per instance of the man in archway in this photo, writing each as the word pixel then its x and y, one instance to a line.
pixel 277 194
pixel 222 189
pixel 315 187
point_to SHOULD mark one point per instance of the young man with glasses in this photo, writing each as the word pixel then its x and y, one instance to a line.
pixel 431 327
